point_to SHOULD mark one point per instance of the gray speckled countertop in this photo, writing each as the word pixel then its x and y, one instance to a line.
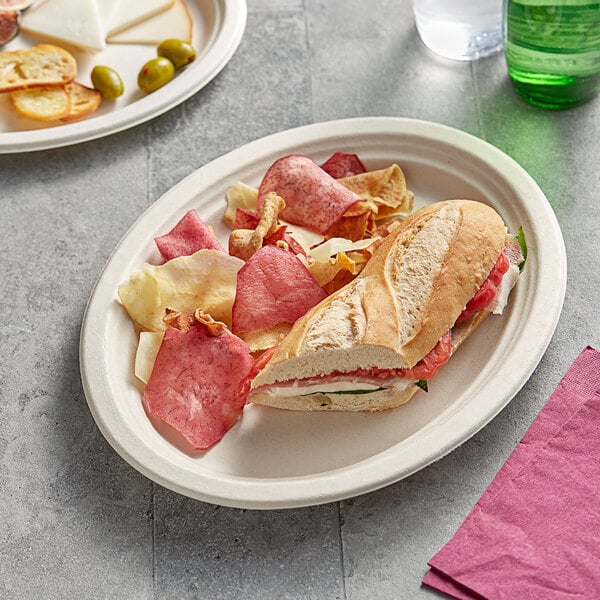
pixel 76 521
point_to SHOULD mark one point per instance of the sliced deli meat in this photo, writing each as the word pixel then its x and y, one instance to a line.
pixel 196 385
pixel 273 287
pixel 188 236
pixel 312 197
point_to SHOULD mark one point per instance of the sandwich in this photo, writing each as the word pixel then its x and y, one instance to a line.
pixel 375 342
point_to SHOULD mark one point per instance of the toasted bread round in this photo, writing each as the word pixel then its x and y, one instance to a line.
pixel 84 101
pixel 41 65
pixel 43 104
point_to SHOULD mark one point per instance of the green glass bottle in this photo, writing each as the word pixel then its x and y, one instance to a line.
pixel 552 50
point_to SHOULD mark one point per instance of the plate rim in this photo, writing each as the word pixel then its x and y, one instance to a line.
pixel 220 51
pixel 338 484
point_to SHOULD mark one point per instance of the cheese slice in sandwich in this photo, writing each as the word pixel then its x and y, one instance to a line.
pixel 131 12
pixel 372 344
pixel 173 23
pixel 64 21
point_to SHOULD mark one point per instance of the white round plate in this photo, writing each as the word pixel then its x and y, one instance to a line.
pixel 275 458
pixel 218 27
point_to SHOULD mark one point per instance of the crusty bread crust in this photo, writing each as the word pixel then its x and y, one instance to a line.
pixel 409 294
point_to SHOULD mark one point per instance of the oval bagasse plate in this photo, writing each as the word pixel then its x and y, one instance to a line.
pixel 278 459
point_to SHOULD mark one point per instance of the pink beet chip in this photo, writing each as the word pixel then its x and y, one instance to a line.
pixel 195 386
pixel 273 287
pixel 187 237
pixel 246 219
pixel 312 197
pixel 343 164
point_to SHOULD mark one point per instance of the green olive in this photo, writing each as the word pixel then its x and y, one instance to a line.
pixel 155 73
pixel 179 52
pixel 107 81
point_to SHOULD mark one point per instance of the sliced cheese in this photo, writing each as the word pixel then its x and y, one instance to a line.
pixel 107 9
pixel 131 12
pixel 174 22
pixel 76 23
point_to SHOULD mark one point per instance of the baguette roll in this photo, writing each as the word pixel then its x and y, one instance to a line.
pixel 395 313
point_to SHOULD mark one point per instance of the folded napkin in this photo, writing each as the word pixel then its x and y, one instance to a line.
pixel 535 532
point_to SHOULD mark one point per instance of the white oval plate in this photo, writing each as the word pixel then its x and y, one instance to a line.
pixel 218 27
pixel 275 458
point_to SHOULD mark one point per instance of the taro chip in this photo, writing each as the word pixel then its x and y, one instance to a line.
pixel 386 188
pixel 239 195
pixel 306 238
pixel 273 287
pixel 196 385
pixel 246 219
pixel 243 243
pixel 263 339
pixel 343 164
pixel 206 279
pixel 355 223
pixel 147 349
pixel 282 238
pixel 337 261
pixel 189 235
pixel 313 198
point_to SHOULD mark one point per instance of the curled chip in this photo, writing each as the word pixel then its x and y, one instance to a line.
pixel 355 223
pixel 243 243
pixel 337 261
pixel 183 321
pixel 385 188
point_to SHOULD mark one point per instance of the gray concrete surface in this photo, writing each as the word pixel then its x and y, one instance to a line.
pixel 75 520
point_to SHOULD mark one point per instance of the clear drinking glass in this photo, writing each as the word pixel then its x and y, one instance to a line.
pixel 460 29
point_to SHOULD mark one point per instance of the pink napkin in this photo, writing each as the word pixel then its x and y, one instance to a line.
pixel 535 532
